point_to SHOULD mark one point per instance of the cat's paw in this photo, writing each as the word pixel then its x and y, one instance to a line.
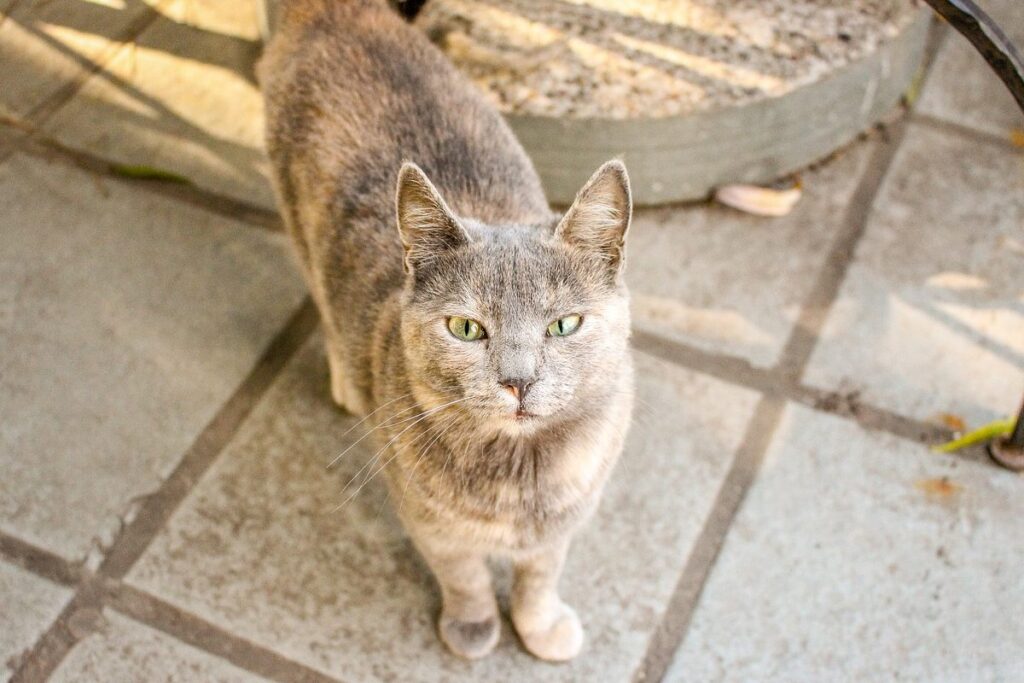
pixel 469 639
pixel 558 638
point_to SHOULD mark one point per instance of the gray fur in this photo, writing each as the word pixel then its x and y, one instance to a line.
pixel 351 93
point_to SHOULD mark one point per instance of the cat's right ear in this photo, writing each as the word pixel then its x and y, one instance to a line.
pixel 425 223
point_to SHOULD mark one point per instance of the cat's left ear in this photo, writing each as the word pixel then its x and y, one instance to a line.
pixel 425 223
pixel 598 219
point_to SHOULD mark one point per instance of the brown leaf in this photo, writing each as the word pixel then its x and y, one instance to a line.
pixel 954 422
pixel 760 201
pixel 940 488
pixel 1017 137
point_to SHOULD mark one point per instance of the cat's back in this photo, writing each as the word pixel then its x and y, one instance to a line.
pixel 351 91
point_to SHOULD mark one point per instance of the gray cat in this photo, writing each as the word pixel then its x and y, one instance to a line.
pixel 486 338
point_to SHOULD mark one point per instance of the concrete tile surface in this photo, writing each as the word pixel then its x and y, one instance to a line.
pixel 183 98
pixel 861 557
pixel 46 44
pixel 929 319
pixel 258 547
pixel 964 89
pixel 126 320
pixel 732 283
pixel 28 605
pixel 125 651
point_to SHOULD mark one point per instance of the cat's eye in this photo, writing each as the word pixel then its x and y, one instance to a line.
pixel 563 327
pixel 466 329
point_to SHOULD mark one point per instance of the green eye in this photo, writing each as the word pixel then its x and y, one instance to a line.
pixel 466 329
pixel 563 327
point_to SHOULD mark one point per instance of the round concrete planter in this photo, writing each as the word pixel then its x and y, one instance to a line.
pixel 684 158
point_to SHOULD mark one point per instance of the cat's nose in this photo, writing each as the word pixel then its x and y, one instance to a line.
pixel 518 387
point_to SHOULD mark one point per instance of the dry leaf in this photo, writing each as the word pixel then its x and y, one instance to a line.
pixel 954 422
pixel 1017 137
pixel 760 201
pixel 940 488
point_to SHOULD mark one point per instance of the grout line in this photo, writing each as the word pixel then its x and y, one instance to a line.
pixel 48 107
pixel 133 540
pixel 193 195
pixel 773 383
pixel 960 130
pixel 199 633
pixel 797 352
pixel 872 418
pixel 38 115
pixel 140 606
pixel 745 465
pixel 53 646
pixel 40 562
pixel 672 629
pixel 62 635
pixel 732 369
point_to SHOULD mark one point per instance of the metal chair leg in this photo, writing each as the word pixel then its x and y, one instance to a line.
pixel 1004 58
pixel 1009 451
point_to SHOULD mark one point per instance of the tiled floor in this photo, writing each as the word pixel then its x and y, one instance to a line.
pixel 165 510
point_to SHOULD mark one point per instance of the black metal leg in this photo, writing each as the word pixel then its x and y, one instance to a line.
pixel 1001 54
pixel 1009 451
pixel 986 36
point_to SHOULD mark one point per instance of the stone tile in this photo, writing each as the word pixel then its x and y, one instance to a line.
pixel 963 88
pixel 46 44
pixel 861 557
pixel 732 283
pixel 125 651
pixel 126 320
pixel 30 605
pixel 183 99
pixel 931 316
pixel 260 548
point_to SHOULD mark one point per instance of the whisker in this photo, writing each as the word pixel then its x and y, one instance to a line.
pixel 429 430
pixel 386 423
pixel 423 452
pixel 374 412
pixel 373 458
pixel 444 468
pixel 380 469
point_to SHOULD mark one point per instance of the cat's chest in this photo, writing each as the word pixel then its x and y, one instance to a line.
pixel 526 490
pixel 508 493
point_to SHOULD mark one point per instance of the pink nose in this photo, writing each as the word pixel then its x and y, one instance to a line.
pixel 517 387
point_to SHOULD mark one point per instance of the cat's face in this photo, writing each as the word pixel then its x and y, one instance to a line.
pixel 518 324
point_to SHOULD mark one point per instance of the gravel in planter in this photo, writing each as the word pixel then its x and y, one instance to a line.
pixel 623 59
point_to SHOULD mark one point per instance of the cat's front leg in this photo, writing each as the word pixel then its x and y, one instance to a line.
pixel 343 390
pixel 469 623
pixel 547 626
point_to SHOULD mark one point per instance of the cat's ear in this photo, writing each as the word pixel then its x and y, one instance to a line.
pixel 425 223
pixel 599 217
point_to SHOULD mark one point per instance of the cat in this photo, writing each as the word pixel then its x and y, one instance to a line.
pixel 484 336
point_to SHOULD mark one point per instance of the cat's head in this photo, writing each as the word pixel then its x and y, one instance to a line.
pixel 521 324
